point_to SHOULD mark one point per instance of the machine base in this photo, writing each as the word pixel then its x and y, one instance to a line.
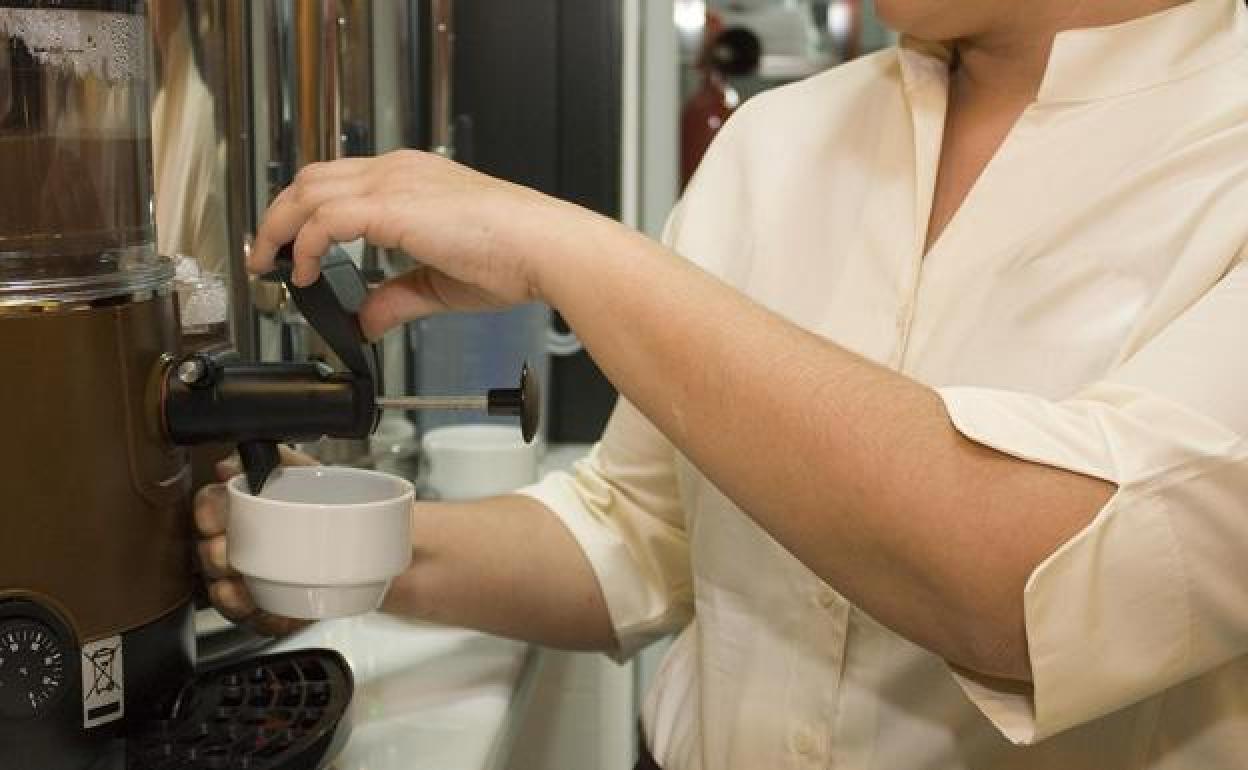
pixel 157 660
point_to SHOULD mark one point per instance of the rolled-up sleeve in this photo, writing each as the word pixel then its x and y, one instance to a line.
pixel 622 504
pixel 1154 591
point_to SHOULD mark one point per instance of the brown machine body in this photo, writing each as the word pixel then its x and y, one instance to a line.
pixel 96 496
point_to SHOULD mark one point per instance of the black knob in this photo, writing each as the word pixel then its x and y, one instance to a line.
pixel 524 402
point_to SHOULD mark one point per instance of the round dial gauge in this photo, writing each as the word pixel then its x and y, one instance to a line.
pixel 32 668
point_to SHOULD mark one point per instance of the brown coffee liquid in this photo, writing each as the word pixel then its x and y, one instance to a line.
pixel 75 168
pixel 74 196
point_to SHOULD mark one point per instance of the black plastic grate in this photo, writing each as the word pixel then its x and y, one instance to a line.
pixel 278 712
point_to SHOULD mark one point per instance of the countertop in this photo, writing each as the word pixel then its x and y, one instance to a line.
pixel 425 696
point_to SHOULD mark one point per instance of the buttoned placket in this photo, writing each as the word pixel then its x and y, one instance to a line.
pixel 926 92
pixel 810 747
pixel 810 743
pixel 928 96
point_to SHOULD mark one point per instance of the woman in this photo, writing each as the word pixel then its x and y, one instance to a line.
pixel 933 442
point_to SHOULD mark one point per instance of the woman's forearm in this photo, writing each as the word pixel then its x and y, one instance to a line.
pixel 506 566
pixel 854 468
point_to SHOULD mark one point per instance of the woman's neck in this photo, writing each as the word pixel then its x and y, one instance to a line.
pixel 1006 62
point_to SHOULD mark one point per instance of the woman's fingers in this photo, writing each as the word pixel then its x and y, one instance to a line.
pixel 232 600
pixel 375 198
pixel 417 293
pixel 315 186
pixel 212 519
pixel 266 624
pixel 213 558
pixel 482 241
pixel 340 220
pixel 294 457
pixel 412 295
pixel 228 468
pixel 212 511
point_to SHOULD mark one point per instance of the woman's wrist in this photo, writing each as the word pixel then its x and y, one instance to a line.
pixel 573 241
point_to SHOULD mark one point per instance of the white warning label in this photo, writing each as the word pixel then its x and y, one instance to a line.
pixel 103 682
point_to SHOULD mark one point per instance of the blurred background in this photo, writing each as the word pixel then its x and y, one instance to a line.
pixel 609 103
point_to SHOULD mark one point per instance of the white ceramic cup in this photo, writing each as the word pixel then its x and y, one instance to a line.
pixel 466 462
pixel 321 542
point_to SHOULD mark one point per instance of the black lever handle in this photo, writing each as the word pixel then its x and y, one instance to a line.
pixel 331 305
pixel 218 398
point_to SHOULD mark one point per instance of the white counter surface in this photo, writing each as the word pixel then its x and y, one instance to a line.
pixel 425 696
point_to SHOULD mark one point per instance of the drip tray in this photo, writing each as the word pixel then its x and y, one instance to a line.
pixel 277 712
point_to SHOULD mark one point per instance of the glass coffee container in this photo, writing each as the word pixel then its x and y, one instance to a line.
pixel 76 220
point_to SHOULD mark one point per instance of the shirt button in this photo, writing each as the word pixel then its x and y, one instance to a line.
pixel 827 598
pixel 804 742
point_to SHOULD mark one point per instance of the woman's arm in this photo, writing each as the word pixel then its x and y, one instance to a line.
pixel 855 469
pixel 505 565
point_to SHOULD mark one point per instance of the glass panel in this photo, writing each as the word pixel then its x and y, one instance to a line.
pixel 75 153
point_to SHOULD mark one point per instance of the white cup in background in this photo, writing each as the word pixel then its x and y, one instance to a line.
pixel 467 462
pixel 321 542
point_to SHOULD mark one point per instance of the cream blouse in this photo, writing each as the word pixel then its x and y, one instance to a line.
pixel 1087 308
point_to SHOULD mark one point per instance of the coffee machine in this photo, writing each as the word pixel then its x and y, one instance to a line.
pixel 94 576
pixel 97 406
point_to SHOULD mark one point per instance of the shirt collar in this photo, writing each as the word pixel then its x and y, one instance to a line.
pixel 1102 62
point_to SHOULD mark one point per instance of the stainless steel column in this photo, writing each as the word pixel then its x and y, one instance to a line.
pixel 240 160
pixel 442 77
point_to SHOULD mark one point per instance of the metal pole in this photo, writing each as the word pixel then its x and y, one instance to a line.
pixel 442 77
pixel 448 403
pixel 239 172
pixel 309 47
pixel 330 117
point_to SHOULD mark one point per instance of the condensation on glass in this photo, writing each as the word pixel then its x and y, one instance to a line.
pixel 76 219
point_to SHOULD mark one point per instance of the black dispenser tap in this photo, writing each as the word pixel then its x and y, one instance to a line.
pixel 216 397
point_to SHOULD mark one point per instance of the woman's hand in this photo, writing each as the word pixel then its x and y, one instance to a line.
pixel 482 243
pixel 225 586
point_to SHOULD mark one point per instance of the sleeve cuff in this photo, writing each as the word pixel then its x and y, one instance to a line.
pixel 1107 615
pixel 1107 625
pixel 640 605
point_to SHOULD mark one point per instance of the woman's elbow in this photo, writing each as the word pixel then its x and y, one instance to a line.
pixel 994 645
